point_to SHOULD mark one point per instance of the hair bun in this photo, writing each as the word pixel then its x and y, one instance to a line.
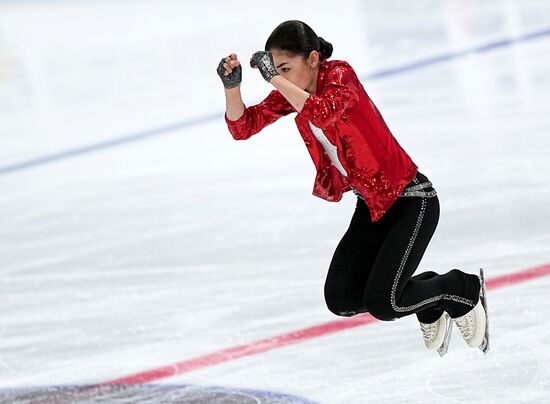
pixel 325 48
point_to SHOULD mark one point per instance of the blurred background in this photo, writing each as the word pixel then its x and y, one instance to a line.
pixel 135 232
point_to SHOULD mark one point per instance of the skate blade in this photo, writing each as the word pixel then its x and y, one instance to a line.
pixel 484 347
pixel 445 346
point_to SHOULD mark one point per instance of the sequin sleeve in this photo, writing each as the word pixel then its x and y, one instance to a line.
pixel 340 91
pixel 257 117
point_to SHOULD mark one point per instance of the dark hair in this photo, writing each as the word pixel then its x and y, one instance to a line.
pixel 297 37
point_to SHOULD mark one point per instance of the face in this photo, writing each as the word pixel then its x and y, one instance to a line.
pixel 296 69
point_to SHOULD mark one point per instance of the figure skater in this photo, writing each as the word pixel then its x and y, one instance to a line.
pixel 397 208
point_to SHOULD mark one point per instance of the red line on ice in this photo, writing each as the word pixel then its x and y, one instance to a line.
pixel 298 336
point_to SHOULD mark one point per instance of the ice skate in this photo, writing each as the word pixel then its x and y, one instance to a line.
pixel 474 324
pixel 437 334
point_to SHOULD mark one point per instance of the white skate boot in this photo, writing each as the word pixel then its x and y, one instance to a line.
pixel 474 325
pixel 437 334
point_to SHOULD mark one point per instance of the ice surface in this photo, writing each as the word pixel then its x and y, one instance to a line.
pixel 187 242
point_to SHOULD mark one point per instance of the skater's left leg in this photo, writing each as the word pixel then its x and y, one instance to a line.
pixel 433 280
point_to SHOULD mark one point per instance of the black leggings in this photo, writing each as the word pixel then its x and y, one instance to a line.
pixel 372 267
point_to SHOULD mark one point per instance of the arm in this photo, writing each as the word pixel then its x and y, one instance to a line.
pixel 230 71
pixel 340 91
pixel 244 122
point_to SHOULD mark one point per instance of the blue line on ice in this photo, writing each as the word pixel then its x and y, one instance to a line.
pixel 445 57
pixel 136 136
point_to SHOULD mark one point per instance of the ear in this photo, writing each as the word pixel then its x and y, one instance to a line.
pixel 313 59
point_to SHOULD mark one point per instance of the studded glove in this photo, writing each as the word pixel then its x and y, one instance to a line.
pixel 264 61
pixel 231 80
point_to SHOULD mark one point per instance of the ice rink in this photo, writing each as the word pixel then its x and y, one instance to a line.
pixel 146 256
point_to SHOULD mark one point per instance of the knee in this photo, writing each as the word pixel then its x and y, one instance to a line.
pixel 339 305
pixel 456 277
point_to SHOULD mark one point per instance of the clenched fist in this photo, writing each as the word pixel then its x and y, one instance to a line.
pixel 230 71
pixel 264 61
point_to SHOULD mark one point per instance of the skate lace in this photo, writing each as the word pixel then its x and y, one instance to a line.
pixel 466 325
pixel 428 331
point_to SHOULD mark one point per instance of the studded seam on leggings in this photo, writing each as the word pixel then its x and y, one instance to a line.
pixel 402 266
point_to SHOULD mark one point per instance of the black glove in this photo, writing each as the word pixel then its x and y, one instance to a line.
pixel 264 61
pixel 231 80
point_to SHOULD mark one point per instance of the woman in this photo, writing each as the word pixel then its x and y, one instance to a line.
pixel 397 207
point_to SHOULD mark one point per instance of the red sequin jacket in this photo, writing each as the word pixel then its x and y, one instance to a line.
pixel 377 167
